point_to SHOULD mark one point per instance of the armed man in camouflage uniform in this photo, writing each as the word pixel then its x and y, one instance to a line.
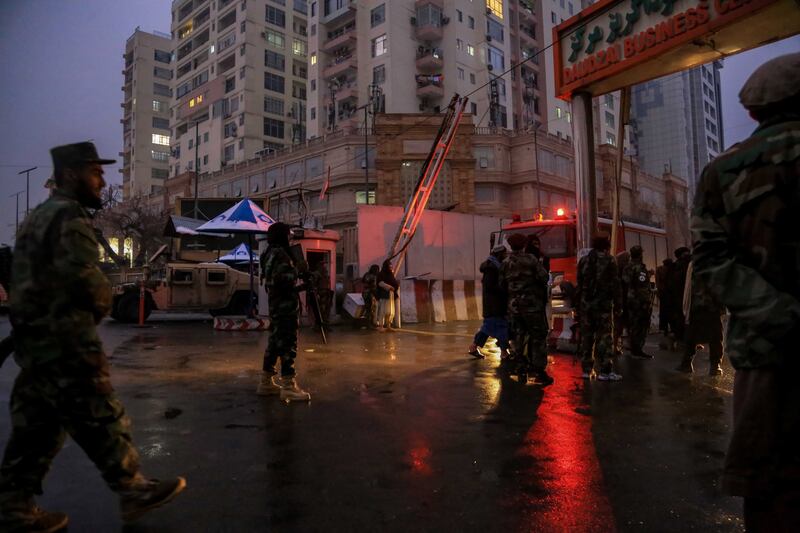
pixel 747 249
pixel 280 275
pixel 524 279
pixel 598 296
pixel 63 388
pixel 636 280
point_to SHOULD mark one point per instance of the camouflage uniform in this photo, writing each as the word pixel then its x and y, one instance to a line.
pixel 280 279
pixel 622 318
pixel 745 226
pixel 369 285
pixel 524 279
pixel 598 297
pixel 58 296
pixel 636 280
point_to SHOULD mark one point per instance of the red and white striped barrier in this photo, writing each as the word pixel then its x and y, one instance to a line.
pixel 456 300
pixel 238 323
pixel 561 337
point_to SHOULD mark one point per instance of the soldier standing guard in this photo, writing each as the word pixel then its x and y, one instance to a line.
pixel 369 286
pixel 598 296
pixel 280 275
pixel 636 280
pixel 58 297
pixel 746 249
pixel 524 279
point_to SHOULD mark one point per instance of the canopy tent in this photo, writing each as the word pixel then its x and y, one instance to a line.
pixel 245 217
pixel 239 254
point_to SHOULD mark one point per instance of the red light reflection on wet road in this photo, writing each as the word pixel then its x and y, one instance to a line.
pixel 571 495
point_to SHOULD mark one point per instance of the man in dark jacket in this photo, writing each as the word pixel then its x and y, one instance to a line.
pixel 676 281
pixel 495 305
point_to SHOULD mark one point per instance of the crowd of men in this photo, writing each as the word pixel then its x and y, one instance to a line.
pixel 745 258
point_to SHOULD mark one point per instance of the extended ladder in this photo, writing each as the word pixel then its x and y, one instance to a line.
pixel 427 180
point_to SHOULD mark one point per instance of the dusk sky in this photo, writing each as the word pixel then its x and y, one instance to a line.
pixel 61 64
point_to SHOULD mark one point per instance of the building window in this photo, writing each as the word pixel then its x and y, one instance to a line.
pixel 205 160
pixel 361 197
pixel 470 50
pixel 494 30
pixel 495 7
pixel 158 155
pixel 163 73
pixel 159 106
pixel 460 73
pixel 229 130
pixel 459 15
pixel 379 74
pixel 159 173
pixel 299 47
pixel 611 139
pixel 161 90
pixel 471 23
pixel 275 38
pixel 205 137
pixel 163 140
pixel 273 82
pixel 301 6
pixel 380 45
pixel 276 16
pixel 473 108
pixel 472 78
pixel 553 17
pixel 314 58
pixel 160 123
pixel 559 112
pixel 227 153
pixel 571 11
pixel 609 100
pixel 377 16
pixel 609 119
pixel 459 44
pixel 495 58
pixel 313 85
pixel 313 113
pixel 273 128
pixel 230 84
pixel 161 56
pixel 274 60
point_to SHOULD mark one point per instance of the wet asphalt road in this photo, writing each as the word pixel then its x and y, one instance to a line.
pixel 404 433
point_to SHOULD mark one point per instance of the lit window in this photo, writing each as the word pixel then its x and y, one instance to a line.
pixel 496 7
pixel 211 50
pixel 569 117
pixel 300 48
pixel 558 112
pixel 163 140
pixel 191 102
pixel 470 50
pixel 314 58
pixel 380 45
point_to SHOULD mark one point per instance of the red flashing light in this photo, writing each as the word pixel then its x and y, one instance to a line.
pixel 516 218
pixel 560 213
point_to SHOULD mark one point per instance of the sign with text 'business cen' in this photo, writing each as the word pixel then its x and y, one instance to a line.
pixel 616 43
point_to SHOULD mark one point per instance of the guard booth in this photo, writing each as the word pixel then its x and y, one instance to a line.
pixel 614 44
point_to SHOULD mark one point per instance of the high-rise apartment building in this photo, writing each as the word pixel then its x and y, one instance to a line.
pixel 145 121
pixel 677 122
pixel 240 80
pixel 408 56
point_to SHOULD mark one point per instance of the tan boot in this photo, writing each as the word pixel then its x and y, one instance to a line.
pixel 143 495
pixel 267 385
pixel 23 515
pixel 291 392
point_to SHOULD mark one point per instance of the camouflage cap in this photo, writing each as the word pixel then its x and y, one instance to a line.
pixel 774 81
pixel 73 155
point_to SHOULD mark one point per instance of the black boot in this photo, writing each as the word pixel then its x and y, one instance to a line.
pixel 686 365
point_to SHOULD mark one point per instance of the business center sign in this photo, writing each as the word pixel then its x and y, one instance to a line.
pixel 616 43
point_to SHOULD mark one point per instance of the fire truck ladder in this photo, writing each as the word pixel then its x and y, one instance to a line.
pixel 427 180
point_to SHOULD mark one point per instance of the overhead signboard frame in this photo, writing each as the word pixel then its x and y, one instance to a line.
pixel 618 43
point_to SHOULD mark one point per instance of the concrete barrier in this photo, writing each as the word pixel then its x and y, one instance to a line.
pixel 240 323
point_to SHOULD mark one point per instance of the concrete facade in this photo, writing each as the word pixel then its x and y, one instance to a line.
pixel 147 76
pixel 410 56
pixel 240 86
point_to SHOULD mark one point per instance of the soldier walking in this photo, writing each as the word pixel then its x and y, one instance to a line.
pixel 495 306
pixel 280 275
pixel 64 388
pixel 524 279
pixel 598 297
pixel 703 324
pixel 746 249
pixel 636 280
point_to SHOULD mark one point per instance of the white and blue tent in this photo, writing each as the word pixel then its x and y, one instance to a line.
pixel 239 255
pixel 244 217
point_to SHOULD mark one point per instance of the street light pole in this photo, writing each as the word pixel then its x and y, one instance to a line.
pixel 16 212
pixel 196 169
pixel 27 188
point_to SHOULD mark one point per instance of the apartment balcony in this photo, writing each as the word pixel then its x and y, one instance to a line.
pixel 429 59
pixel 347 39
pixel 336 16
pixel 438 3
pixel 526 14
pixel 343 93
pixel 340 65
pixel 429 88
pixel 429 32
pixel 526 35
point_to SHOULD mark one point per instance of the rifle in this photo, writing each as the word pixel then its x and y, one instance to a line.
pixel 312 299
